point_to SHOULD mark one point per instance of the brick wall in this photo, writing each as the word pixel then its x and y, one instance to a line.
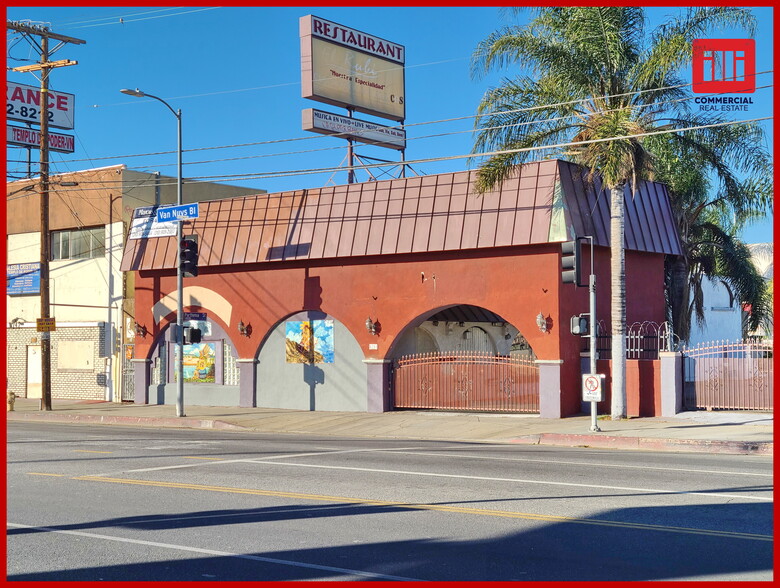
pixel 75 384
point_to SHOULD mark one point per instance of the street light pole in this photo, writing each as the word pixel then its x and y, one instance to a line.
pixel 179 276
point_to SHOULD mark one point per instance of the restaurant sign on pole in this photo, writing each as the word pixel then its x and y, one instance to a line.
pixel 327 123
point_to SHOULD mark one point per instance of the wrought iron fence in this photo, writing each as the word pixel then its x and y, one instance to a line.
pixel 729 376
pixel 475 381
pixel 643 340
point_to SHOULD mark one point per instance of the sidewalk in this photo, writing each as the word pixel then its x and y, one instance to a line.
pixel 714 432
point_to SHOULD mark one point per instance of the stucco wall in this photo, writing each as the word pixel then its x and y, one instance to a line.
pixel 401 291
pixel 337 386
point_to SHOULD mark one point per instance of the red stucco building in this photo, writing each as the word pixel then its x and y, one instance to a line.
pixel 403 253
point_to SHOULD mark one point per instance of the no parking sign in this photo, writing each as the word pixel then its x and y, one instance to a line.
pixel 592 387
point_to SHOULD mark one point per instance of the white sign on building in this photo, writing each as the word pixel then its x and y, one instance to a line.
pixel 144 224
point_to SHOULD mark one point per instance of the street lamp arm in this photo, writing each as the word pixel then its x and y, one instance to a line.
pixel 179 275
pixel 139 94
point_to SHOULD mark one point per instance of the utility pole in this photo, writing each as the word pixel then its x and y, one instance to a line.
pixel 44 66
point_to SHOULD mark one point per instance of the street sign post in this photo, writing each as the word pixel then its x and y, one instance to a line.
pixel 592 387
pixel 45 325
pixel 166 214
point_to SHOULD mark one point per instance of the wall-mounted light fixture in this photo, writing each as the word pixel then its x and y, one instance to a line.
pixel 243 329
pixel 371 326
pixel 140 330
pixel 541 322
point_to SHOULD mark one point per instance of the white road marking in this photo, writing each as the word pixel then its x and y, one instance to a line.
pixel 555 461
pixel 519 480
pixel 297 564
pixel 255 460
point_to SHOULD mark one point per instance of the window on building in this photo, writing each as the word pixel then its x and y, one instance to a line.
pixel 87 243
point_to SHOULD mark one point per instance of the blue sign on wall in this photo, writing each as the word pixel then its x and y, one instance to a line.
pixel 23 278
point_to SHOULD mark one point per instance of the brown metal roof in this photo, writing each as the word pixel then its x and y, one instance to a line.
pixel 543 202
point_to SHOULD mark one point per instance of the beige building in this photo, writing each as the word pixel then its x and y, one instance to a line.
pixel 91 300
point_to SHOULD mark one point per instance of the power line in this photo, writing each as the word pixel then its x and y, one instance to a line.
pixel 446 134
pixel 410 125
pixel 288 173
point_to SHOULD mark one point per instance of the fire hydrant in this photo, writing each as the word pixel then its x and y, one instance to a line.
pixel 11 400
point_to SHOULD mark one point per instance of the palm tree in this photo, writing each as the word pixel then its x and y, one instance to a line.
pixel 708 219
pixel 590 77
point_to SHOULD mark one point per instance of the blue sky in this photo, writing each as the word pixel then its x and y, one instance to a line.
pixel 235 74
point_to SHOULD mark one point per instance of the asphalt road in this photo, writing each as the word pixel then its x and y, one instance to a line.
pixel 120 503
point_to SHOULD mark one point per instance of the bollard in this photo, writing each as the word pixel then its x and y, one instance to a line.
pixel 11 400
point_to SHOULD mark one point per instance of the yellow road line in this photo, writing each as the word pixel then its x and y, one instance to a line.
pixel 209 458
pixel 42 474
pixel 431 507
pixel 88 451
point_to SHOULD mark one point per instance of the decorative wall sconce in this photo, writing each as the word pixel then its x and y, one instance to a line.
pixel 371 326
pixel 541 322
pixel 140 330
pixel 245 330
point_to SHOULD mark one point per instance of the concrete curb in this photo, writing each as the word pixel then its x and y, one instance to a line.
pixel 648 443
pixel 173 422
pixel 553 439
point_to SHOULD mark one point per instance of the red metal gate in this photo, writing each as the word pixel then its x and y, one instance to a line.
pixel 475 381
pixel 732 376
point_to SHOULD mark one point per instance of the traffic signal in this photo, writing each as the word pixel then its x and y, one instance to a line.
pixel 191 335
pixel 188 256
pixel 570 262
pixel 580 325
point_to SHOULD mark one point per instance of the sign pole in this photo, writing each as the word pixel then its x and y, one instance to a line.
pixel 44 66
pixel 45 239
pixel 593 326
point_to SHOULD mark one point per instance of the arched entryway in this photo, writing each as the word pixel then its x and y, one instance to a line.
pixel 464 358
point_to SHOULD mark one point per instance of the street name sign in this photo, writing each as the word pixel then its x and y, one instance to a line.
pixel 167 214
pixel 195 316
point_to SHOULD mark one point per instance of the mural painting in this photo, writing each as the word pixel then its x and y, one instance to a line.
pixel 199 363
pixel 309 341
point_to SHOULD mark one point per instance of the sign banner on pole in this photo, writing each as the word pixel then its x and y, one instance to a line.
pixel 32 138
pixel 23 104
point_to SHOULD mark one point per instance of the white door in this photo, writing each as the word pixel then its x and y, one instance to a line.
pixel 34 373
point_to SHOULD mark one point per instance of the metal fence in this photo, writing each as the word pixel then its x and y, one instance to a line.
pixel 643 340
pixel 475 381
pixel 729 376
pixel 128 373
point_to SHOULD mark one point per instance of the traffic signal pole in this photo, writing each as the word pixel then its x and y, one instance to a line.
pixel 594 426
pixel 570 274
pixel 179 287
